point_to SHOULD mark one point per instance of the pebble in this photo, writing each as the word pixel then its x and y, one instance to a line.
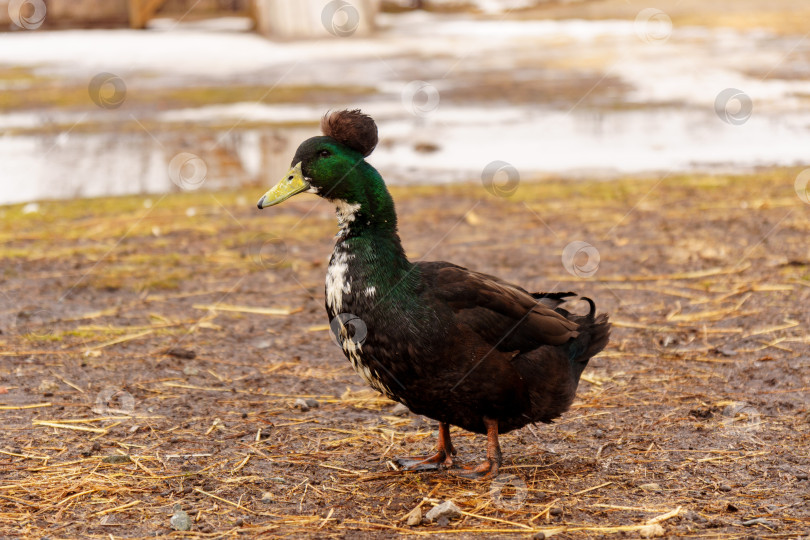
pixel 400 410
pixel 312 403
pixel 650 487
pixel 262 343
pixel 48 386
pixel 191 371
pixel 539 536
pixel 301 404
pixel 179 352
pixel 180 520
pixel 556 511
pixel 801 476
pixel 725 487
pixel 415 517
pixel 757 521
pixel 267 497
pixel 447 509
pixel 651 531
pixel 117 458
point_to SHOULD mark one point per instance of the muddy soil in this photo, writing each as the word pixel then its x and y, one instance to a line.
pixel 155 352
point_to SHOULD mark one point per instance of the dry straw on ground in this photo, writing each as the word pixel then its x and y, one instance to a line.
pixel 153 357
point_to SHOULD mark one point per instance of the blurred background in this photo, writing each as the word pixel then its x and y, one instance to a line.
pixel 108 97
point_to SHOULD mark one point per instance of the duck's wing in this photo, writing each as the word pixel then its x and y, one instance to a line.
pixel 506 316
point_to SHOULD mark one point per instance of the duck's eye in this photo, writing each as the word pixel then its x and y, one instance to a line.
pixel 324 153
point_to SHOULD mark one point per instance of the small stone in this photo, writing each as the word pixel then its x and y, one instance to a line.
pixel 262 343
pixel 650 487
pixel 651 531
pixel 179 352
pixel 415 517
pixel 598 433
pixel 757 521
pixel 724 487
pixel 48 386
pixel 117 458
pixel 801 476
pixel 556 511
pixel 447 509
pixel 539 536
pixel 426 147
pixel 180 521
pixel 267 497
pixel 400 410
pixel 312 403
pixel 239 522
pixel 301 404
pixel 191 371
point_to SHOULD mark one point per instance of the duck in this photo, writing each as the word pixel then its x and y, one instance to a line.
pixel 460 347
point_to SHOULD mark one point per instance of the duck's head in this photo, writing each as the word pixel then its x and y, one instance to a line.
pixel 332 165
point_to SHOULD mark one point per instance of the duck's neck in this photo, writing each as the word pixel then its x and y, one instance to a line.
pixel 368 208
pixel 369 269
pixel 368 229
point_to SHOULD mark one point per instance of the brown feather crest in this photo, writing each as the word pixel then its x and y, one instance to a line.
pixel 352 128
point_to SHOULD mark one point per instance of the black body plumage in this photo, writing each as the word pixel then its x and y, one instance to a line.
pixel 461 347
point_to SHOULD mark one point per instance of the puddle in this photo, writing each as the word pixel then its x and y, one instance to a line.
pixel 99 164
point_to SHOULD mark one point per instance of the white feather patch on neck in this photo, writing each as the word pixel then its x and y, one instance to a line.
pixel 337 282
pixel 346 213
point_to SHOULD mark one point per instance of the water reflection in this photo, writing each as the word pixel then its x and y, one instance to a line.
pixel 453 144
pixel 80 164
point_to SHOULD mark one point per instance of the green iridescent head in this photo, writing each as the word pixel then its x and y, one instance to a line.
pixel 333 165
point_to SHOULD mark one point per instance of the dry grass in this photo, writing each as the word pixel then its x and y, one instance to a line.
pixel 694 420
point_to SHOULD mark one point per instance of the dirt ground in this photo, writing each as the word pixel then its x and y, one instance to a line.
pixel 153 350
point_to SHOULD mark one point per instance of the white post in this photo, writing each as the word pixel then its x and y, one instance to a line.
pixel 300 19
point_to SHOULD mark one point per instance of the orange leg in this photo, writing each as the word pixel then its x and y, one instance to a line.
pixel 489 468
pixel 443 458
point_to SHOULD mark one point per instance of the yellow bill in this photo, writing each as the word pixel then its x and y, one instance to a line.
pixel 293 183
